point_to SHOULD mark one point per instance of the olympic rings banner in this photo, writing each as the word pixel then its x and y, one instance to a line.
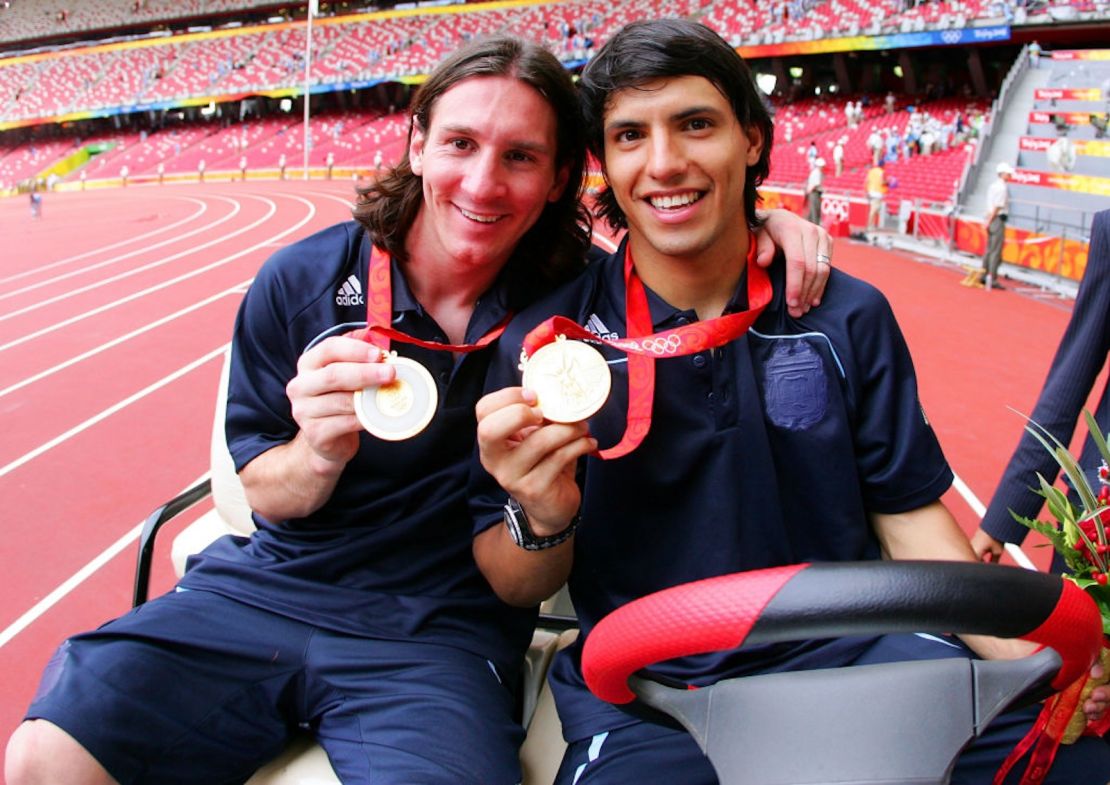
pixel 834 208
pixel 864 43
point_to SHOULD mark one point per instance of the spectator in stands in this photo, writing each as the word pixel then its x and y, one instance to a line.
pixel 838 156
pixel 356 609
pixel 1075 369
pixel 875 145
pixel 889 103
pixel 875 185
pixel 998 206
pixel 828 456
pixel 811 154
pixel 814 187
pixel 1035 55
pixel 893 142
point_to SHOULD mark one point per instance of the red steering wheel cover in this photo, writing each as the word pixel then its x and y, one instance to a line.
pixel 707 615
pixel 720 613
pixel 1074 626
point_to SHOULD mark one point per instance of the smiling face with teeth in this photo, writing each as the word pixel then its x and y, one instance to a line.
pixel 488 166
pixel 676 160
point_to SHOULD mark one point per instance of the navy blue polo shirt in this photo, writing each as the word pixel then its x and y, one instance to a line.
pixel 389 554
pixel 769 450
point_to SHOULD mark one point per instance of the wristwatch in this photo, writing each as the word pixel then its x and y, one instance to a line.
pixel 521 532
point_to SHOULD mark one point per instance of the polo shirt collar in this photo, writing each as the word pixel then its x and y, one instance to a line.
pixel 491 308
pixel 663 314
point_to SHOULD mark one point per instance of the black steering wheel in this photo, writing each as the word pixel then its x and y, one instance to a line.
pixel 890 723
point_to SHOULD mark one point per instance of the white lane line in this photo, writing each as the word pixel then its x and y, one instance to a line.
pixel 238 289
pixel 75 580
pixel 84 426
pixel 977 507
pixel 52 282
pixel 158 263
pixel 52 599
pixel 164 284
pixel 203 209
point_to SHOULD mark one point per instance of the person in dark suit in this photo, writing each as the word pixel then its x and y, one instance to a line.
pixel 1079 358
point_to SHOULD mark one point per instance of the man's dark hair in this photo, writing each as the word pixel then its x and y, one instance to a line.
pixel 554 249
pixel 650 50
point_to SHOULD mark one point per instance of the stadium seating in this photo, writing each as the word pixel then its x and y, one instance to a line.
pixel 31 19
pixel 931 177
pixel 356 49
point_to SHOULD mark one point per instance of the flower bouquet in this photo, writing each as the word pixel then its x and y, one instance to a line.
pixel 1079 535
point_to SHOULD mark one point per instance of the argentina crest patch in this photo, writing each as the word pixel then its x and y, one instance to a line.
pixel 795 385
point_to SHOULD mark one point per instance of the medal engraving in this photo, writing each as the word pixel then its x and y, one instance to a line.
pixel 401 409
pixel 570 378
pixel 394 399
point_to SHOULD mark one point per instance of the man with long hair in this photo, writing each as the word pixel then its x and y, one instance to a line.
pixel 355 610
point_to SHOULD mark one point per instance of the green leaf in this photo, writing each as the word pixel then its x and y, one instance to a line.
pixel 1050 531
pixel 1077 477
pixel 1066 462
pixel 1096 435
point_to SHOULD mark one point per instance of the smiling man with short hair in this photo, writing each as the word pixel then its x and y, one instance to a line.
pixel 736 436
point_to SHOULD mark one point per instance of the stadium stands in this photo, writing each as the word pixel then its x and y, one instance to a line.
pixel 26 20
pixel 921 166
pixel 363 49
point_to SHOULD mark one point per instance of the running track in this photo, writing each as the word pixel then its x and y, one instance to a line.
pixel 116 305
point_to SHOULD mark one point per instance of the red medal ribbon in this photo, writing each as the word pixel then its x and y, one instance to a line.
pixel 643 346
pixel 379 313
pixel 1045 736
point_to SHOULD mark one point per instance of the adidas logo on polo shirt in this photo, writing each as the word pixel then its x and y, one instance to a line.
pixel 598 327
pixel 350 293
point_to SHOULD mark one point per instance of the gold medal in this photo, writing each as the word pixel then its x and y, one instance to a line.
pixel 404 407
pixel 570 378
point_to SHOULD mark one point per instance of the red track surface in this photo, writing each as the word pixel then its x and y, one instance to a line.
pixel 114 307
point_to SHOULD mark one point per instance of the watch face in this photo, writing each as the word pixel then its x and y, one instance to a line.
pixel 570 378
pixel 401 409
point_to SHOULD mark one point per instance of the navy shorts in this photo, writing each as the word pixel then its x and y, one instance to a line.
pixel 646 752
pixel 193 687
